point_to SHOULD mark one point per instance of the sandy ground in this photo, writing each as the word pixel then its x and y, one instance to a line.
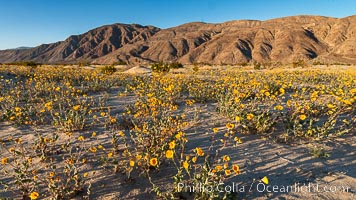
pixel 285 165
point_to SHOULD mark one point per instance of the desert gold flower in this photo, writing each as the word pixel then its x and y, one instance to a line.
pixel 112 119
pixel 307 107
pixel 4 161
pixel 194 159
pixel 179 135
pixel 76 108
pixel 121 134
pixel 237 118
pixel 199 151
pixel 186 165
pixel 93 149
pixel 70 161
pixel 279 107
pixel 132 163
pixel 237 139
pixel 265 180
pixel 172 144
pixel 302 117
pixel 289 103
pixel 138 157
pixel 236 169
pixel 169 154
pixel 51 174
pixel 347 102
pixel 81 138
pixel 282 91
pixel 153 162
pixel 215 130
pixel 110 155
pixel 227 172
pixel 48 105
pixel 34 195
pixel 218 168
pixel 18 140
pixel 331 106
pixel 250 116
pixel 309 132
pixel 230 126
pixel 187 157
pixel 226 158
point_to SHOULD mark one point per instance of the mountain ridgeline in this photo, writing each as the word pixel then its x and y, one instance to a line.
pixel 284 40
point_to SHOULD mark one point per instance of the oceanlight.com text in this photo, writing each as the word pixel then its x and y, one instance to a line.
pixel 263 188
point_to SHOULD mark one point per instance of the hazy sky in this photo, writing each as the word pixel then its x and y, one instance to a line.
pixel 33 22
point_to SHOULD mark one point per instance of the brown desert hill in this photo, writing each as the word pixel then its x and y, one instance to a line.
pixel 88 46
pixel 277 40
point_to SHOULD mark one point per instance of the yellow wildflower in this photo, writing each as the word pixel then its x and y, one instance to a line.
pixel 76 108
pixel 4 161
pixel 227 172
pixel 34 195
pixel 199 151
pixel 172 145
pixel 226 158
pixel 265 180
pixel 250 116
pixel 230 126
pixel 169 154
pixel 153 162
pixel 236 169
pixel 186 165
pixel 302 117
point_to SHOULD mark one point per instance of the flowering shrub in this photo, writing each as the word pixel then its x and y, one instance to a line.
pixel 68 113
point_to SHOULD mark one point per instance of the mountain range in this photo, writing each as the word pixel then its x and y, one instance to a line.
pixel 288 39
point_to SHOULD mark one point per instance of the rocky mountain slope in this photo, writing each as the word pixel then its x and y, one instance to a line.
pixel 283 40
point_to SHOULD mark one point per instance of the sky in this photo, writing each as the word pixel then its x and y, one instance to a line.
pixel 34 22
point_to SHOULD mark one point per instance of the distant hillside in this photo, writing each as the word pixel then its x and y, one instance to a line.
pixel 19 48
pixel 278 40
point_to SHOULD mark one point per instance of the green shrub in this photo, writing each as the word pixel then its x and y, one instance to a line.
pixel 244 64
pixel 298 63
pixel 318 63
pixel 175 65
pixel 108 70
pixel 257 66
pixel 119 63
pixel 83 63
pixel 160 67
pixel 25 63
pixel 195 68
